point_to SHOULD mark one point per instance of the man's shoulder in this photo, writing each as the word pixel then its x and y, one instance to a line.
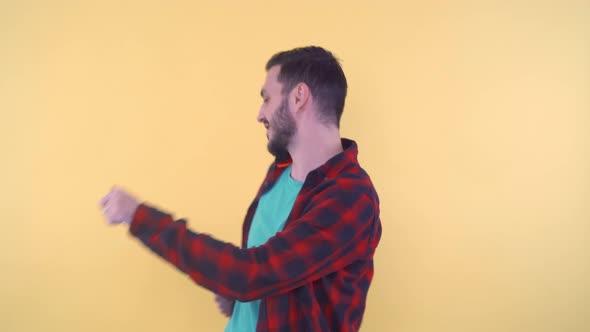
pixel 352 179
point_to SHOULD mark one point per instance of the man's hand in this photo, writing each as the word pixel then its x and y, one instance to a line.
pixel 225 305
pixel 118 206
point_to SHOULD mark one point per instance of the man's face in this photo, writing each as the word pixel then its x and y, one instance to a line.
pixel 276 116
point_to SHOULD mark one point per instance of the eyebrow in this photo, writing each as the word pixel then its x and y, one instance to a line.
pixel 262 93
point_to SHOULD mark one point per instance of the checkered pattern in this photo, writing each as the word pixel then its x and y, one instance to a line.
pixel 312 276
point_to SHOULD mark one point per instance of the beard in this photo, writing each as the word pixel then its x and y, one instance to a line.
pixel 284 128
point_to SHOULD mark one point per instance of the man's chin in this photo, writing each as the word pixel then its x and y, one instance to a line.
pixel 283 155
pixel 278 153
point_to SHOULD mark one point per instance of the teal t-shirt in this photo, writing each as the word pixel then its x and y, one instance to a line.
pixel 272 212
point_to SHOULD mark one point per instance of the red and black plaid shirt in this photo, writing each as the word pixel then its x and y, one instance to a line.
pixel 312 276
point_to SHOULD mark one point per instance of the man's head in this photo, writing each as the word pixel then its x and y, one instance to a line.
pixel 303 86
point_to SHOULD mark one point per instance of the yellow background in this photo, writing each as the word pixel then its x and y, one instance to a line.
pixel 473 120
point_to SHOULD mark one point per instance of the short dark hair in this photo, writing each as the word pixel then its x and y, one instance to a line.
pixel 320 70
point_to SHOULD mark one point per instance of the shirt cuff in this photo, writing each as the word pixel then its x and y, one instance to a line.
pixel 145 218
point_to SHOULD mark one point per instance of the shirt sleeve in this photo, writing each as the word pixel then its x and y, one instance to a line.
pixel 337 229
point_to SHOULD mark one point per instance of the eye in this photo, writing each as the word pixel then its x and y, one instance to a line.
pixel 266 100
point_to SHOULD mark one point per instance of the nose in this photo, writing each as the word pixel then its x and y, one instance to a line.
pixel 260 117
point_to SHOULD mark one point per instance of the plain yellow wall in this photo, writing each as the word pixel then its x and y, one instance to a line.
pixel 473 120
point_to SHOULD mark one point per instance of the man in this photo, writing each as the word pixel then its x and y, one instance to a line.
pixel 306 260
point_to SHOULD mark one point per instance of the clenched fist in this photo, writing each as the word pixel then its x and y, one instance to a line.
pixel 225 305
pixel 118 206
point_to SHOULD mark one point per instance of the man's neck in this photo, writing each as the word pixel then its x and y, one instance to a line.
pixel 311 152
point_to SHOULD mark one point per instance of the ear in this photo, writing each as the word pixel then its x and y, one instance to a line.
pixel 300 96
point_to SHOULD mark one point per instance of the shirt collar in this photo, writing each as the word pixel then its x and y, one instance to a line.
pixel 334 165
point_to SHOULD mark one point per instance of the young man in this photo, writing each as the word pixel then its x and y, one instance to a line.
pixel 306 260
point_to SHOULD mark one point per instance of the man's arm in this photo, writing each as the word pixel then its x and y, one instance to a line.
pixel 337 229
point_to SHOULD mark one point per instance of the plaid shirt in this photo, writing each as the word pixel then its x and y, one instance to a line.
pixel 312 276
